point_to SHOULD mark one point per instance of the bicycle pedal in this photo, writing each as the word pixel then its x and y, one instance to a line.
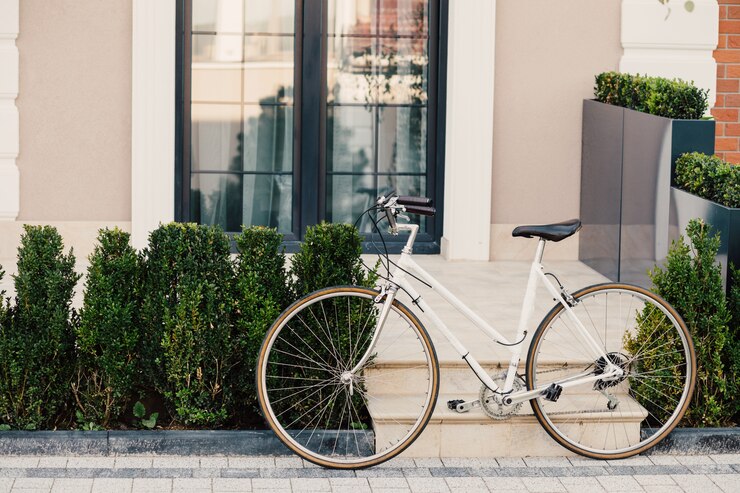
pixel 460 406
pixel 552 393
pixel 452 405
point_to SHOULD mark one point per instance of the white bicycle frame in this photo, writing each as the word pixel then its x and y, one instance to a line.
pixel 399 279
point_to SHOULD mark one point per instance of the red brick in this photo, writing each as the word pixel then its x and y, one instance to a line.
pixel 731 157
pixel 722 42
pixel 732 129
pixel 725 115
pixel 731 101
pixel 728 85
pixel 733 41
pixel 723 12
pixel 729 27
pixel 729 2
pixel 719 129
pixel 726 144
pixel 721 71
pixel 733 12
pixel 727 56
pixel 733 71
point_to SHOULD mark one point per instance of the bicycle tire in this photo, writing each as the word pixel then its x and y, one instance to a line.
pixel 403 362
pixel 659 366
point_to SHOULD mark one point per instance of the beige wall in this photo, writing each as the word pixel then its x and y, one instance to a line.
pixel 547 54
pixel 75 110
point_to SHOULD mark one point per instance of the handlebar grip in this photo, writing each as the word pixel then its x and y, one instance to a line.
pixel 419 209
pixel 419 201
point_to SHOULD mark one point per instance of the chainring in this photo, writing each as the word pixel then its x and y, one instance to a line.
pixel 491 406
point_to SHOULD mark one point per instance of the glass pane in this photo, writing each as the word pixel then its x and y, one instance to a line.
pixel 268 69
pixel 402 139
pixel 217 16
pixel 348 196
pixel 404 17
pixel 349 139
pixel 404 71
pixel 215 137
pixel 268 138
pixel 215 84
pixel 217 48
pixel 269 16
pixel 268 201
pixel 352 17
pixel 217 199
pixel 351 74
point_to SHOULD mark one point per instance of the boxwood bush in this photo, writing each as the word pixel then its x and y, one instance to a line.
pixel 262 292
pixel 108 333
pixel 186 316
pixel 655 95
pixel 691 281
pixel 709 177
pixel 37 342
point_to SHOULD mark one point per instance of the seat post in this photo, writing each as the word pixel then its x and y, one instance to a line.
pixel 540 251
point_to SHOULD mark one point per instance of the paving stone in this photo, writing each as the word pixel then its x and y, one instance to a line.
pixel 466 483
pixel 168 472
pixel 6 484
pixel 652 470
pixel 591 489
pixel 579 461
pixel 547 462
pixel 573 471
pixel 623 483
pixel 387 483
pixel 251 462
pixel 726 482
pixel 310 484
pixel 175 462
pixel 18 462
pixel 354 485
pixel 305 473
pixel 72 485
pixel 391 490
pixel 91 462
pixel 379 473
pixel 270 484
pixel 511 484
pixel 696 483
pixel 726 458
pixel 133 462
pixel 663 488
pixel 469 462
pixel 664 460
pixel 397 463
pixel 519 472
pixel 543 485
pixel 444 472
pixel 14 473
pixel 655 480
pixel 428 485
pixel 240 473
pixel 191 484
pixel 693 460
pixel 637 460
pixel 288 462
pixel 33 483
pixel 151 485
pixel 487 462
pixel 206 473
pixel 428 462
pixel 214 462
pixel 53 462
pixel 510 462
pixel 586 483
pixel 112 485
pixel 621 470
pixel 228 485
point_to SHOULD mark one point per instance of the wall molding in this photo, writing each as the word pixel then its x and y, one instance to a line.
pixel 9 118
pixel 152 117
pixel 469 127
pixel 674 43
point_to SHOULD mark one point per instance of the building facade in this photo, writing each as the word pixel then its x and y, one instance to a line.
pixel 285 113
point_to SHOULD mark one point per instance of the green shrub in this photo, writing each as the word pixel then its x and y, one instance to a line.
pixel 262 292
pixel 186 342
pixel 108 334
pixel 37 346
pixel 733 354
pixel 709 177
pixel 655 95
pixel 329 256
pixel 691 281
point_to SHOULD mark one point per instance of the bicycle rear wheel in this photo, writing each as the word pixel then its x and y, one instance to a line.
pixel 318 407
pixel 613 418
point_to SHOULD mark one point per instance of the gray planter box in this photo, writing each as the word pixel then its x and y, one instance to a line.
pixel 724 220
pixel 627 167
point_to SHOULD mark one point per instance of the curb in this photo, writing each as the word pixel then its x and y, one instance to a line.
pixel 685 441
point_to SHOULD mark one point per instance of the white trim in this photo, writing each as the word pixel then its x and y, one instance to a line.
pixel 469 128
pixel 9 118
pixel 671 43
pixel 152 117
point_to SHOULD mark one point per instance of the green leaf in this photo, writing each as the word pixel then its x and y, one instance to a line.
pixel 139 410
pixel 5 428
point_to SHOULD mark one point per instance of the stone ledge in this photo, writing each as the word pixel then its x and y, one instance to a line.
pixel 688 441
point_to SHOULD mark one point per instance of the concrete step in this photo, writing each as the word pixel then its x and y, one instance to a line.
pixel 474 434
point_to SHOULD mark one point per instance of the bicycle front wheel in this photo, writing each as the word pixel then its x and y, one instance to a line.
pixel 324 408
pixel 617 417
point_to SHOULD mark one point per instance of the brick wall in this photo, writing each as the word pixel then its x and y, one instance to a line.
pixel 727 55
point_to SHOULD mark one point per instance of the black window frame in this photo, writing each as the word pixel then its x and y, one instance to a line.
pixel 309 147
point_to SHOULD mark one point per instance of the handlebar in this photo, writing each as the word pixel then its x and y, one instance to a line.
pixel 394 204
pixel 407 200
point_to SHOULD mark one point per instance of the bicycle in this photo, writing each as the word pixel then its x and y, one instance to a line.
pixel 348 376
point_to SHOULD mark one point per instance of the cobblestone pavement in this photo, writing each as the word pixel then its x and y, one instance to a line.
pixel 656 473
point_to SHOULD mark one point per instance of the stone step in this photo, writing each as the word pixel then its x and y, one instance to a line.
pixel 473 434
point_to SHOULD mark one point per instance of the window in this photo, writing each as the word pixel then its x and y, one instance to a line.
pixel 293 112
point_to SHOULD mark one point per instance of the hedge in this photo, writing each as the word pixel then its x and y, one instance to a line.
pixel 709 177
